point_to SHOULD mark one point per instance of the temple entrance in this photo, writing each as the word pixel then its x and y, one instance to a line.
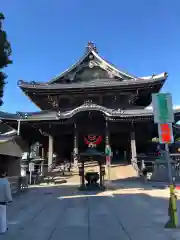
pixel 63 147
pixel 120 145
pixel 93 123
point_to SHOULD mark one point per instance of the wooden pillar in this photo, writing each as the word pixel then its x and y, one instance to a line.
pixel 133 149
pixel 108 152
pixel 50 152
pixel 83 180
pixel 107 136
pixel 42 152
pixel 75 150
pixel 42 162
pixel 46 154
pixel 100 175
pixel 19 127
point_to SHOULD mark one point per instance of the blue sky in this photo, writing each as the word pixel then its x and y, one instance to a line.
pixel 142 37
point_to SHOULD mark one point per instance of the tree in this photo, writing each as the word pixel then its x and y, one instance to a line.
pixel 5 53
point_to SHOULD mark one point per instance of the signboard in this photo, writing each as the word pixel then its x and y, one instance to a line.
pixel 165 133
pixel 31 167
pixel 162 108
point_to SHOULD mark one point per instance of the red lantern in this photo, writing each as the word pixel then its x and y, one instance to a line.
pixel 92 139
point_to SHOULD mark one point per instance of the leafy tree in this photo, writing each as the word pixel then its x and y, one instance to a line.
pixel 5 52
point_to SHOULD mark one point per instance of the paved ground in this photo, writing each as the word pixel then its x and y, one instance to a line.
pixel 129 211
pixel 62 212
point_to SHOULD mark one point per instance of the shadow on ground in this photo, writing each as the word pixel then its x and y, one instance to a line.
pixel 53 212
pixel 137 182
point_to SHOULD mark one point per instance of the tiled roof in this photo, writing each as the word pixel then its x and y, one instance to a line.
pixel 53 115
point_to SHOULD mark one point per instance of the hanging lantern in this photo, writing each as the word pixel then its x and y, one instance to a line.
pixel 92 140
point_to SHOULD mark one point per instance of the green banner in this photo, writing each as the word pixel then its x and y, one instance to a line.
pixel 108 151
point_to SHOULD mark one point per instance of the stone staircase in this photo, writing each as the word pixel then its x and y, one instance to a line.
pixel 118 172
pixel 123 171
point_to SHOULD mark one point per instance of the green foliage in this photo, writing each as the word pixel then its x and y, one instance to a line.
pixel 5 53
pixel 2 16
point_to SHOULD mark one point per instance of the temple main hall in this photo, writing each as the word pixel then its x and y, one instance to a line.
pixel 92 103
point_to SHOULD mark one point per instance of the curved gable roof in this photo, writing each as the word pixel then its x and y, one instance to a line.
pixel 102 63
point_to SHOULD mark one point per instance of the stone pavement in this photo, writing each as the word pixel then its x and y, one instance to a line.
pixel 63 212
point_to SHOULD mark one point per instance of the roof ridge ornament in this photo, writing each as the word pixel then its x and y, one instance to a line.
pixel 91 47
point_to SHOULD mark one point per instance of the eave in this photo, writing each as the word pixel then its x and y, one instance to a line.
pixel 8 116
pixel 94 84
pixel 7 133
pixel 50 116
pixel 12 146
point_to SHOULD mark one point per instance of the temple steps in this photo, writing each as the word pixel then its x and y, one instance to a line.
pixel 56 175
pixel 124 171
pixel 117 172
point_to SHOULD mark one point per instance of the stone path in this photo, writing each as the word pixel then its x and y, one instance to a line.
pixel 63 212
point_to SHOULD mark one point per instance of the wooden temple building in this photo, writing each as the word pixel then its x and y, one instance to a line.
pixel 91 98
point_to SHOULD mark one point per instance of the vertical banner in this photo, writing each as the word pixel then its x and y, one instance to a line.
pixel 108 155
pixel 108 160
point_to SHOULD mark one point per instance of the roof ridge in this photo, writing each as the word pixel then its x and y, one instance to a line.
pixel 125 73
pixel 70 68
pixel 91 49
